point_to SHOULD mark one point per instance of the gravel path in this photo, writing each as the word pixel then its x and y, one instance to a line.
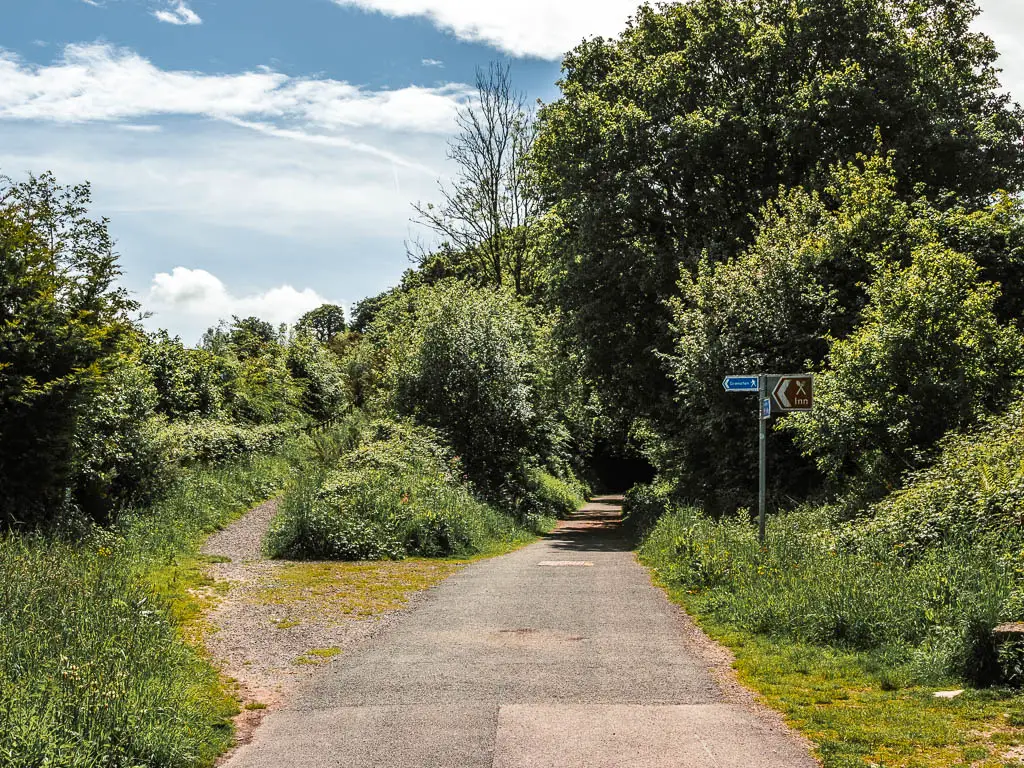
pixel 264 645
pixel 560 654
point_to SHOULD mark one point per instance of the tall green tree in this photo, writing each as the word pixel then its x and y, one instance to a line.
pixel 323 323
pixel 61 318
pixel 464 360
pixel 666 142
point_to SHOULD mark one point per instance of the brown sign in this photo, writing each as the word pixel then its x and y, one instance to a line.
pixel 794 392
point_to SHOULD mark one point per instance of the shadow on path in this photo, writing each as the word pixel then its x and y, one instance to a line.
pixel 597 527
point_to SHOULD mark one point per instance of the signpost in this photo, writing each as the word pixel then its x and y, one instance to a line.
pixel 792 392
pixel 786 393
pixel 740 383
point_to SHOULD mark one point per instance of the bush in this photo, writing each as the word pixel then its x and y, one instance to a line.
pixel 119 458
pixel 212 441
pixel 319 372
pixel 461 360
pixel 930 356
pixel 550 496
pixel 975 488
pixel 188 381
pixel 937 612
pixel 646 504
pixel 398 493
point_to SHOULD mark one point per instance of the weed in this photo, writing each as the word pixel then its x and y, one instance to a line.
pixel 397 494
pixel 93 669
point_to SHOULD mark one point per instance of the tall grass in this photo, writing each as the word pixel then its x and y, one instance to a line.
pixel 387 489
pixel 93 670
pixel 933 614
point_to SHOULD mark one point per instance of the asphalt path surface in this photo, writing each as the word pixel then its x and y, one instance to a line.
pixel 560 654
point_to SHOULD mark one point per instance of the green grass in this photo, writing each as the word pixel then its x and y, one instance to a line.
pixel 859 712
pixel 849 644
pixel 95 664
pixel 391 493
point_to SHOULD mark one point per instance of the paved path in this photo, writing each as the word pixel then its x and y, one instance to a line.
pixel 561 654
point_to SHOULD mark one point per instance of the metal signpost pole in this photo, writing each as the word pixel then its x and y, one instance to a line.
pixel 762 483
pixel 780 394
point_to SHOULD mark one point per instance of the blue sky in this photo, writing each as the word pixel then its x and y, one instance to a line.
pixel 261 156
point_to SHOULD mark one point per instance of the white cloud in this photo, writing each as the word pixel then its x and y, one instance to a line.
pixel 137 128
pixel 432 63
pixel 233 178
pixel 548 29
pixel 178 13
pixel 538 28
pixel 1003 21
pixel 198 299
pixel 98 82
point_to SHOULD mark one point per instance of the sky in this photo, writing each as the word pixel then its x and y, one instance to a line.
pixel 261 156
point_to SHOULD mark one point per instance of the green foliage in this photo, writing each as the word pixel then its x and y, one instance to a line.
pixel 260 388
pixel 397 493
pixel 934 616
pixel 120 456
pixel 828 273
pixel 667 141
pixel 645 505
pixel 93 670
pixel 61 316
pixel 974 489
pixel 214 441
pixel 462 360
pixel 323 323
pixel 189 382
pixel 322 377
pixel 930 356
pixel 551 496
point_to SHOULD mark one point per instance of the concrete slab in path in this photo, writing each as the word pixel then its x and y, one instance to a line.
pixel 511 664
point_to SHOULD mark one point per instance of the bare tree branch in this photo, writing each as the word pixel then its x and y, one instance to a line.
pixel 487 212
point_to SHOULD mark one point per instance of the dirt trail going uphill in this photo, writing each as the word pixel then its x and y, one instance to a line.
pixel 560 654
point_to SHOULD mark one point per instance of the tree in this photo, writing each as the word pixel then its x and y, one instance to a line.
pixel 485 217
pixel 324 323
pixel 667 141
pixel 463 360
pixel 314 366
pixel 931 356
pixel 807 285
pixel 61 318
pixel 188 382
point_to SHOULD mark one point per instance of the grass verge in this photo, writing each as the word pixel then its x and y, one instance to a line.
pixel 858 716
pixel 851 645
pixel 95 667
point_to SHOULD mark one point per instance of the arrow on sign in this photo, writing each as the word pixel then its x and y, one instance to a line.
pixel 794 393
pixel 740 384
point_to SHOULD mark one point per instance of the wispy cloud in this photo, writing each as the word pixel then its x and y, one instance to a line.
pixel 100 83
pixel 136 128
pixel 340 142
pixel 432 63
pixel 539 28
pixel 177 13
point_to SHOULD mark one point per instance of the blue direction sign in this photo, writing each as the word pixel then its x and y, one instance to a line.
pixel 740 384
